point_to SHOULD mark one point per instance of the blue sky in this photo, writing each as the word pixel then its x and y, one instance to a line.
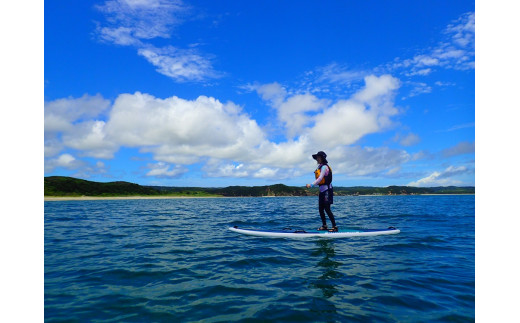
pixel 219 93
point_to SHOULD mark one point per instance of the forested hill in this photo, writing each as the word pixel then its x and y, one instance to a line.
pixel 68 186
pixel 72 187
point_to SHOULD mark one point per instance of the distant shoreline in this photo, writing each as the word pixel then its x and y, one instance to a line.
pixel 95 198
pixel 67 188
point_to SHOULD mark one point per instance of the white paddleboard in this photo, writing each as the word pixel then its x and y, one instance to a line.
pixel 341 233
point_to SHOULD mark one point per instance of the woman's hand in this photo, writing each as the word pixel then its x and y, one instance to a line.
pixel 308 185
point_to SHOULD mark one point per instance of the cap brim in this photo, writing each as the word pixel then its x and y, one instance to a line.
pixel 314 156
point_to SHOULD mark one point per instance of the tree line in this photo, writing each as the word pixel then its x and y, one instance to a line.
pixel 72 187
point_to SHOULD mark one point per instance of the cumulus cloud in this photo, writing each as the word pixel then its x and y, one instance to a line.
pixel 219 168
pixel 294 112
pixel 64 161
pixel 443 178
pixel 162 170
pixel 316 122
pixel 70 120
pixel 174 130
pixel 60 115
pixel 81 168
pixel 361 161
pixel 368 111
pixel 226 140
pixel 90 138
pixel 137 23
pixel 176 127
pixel 52 146
pixel 272 92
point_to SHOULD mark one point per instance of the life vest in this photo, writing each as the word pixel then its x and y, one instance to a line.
pixel 327 179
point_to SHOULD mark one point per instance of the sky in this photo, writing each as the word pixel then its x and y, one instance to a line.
pixel 219 93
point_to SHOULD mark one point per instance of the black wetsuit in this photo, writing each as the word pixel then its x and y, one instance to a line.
pixel 325 200
pixel 326 197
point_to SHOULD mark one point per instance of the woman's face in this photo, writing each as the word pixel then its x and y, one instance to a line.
pixel 318 159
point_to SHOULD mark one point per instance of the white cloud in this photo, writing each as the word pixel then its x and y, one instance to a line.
pixel 294 111
pixel 314 122
pixel 219 168
pixel 163 170
pixel 230 143
pixel 63 161
pixel 458 127
pixel 52 146
pixel 463 30
pixel 272 92
pixel 82 168
pixel 456 51
pixel 423 155
pixel 417 89
pixel 175 130
pixel 176 127
pixel 343 124
pixel 459 149
pixel 139 19
pixel 138 23
pixel 60 115
pixel 291 153
pixel 119 36
pixel 65 118
pixel 368 111
pixel 340 74
pixel 443 178
pixel 421 72
pixel 362 161
pixel 90 138
pixel 266 172
pixel 444 83
pixel 179 64
pixel 408 140
pixel 377 90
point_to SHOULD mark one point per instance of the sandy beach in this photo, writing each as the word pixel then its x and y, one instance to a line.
pixel 93 198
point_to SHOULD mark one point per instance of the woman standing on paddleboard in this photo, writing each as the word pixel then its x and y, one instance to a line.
pixel 323 176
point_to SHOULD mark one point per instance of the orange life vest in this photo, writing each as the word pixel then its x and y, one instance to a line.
pixel 327 179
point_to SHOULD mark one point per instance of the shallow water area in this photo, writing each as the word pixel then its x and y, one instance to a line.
pixel 174 260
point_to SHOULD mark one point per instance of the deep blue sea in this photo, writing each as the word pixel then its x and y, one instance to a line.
pixel 174 260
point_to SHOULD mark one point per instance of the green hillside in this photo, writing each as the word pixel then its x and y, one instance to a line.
pixel 73 187
pixel 68 186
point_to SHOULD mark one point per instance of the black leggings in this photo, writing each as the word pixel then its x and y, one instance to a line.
pixel 324 206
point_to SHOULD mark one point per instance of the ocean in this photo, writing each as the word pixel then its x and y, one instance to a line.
pixel 174 260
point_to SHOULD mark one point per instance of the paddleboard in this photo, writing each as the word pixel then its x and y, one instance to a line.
pixel 291 233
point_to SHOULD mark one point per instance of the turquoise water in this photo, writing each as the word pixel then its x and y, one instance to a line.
pixel 175 261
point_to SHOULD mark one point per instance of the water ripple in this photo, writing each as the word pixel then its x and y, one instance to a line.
pixel 175 261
